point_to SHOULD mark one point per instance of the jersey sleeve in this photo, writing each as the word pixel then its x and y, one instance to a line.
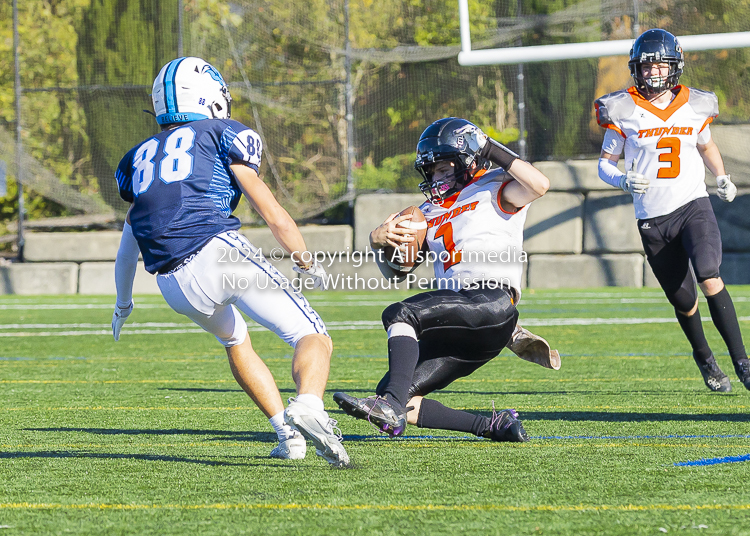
pixel 242 144
pixel 704 103
pixel 124 176
pixel 612 108
pixel 704 136
pixel 613 142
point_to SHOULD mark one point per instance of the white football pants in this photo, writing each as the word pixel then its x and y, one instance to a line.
pixel 229 273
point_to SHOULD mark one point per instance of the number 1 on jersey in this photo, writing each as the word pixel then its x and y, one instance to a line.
pixel 445 232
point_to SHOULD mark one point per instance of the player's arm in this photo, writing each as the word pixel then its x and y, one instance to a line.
pixel 282 225
pixel 632 181
pixel 529 184
pixel 711 156
pixel 126 264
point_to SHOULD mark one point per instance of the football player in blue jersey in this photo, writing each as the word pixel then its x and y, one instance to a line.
pixel 183 184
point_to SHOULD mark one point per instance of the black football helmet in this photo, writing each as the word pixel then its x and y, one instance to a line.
pixel 449 139
pixel 656 46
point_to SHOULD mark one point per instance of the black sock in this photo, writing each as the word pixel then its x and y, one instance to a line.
pixel 693 329
pixel 403 355
pixel 433 414
pixel 725 320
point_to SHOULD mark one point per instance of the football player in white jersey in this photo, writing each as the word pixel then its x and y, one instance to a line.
pixel 183 184
pixel 663 129
pixel 475 218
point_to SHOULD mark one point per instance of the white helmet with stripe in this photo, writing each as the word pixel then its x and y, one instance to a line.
pixel 190 89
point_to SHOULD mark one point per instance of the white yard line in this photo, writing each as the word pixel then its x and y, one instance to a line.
pixel 166 328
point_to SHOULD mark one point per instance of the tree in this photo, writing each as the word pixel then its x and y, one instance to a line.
pixel 122 46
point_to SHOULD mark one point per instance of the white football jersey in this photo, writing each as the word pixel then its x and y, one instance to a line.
pixel 661 144
pixel 472 239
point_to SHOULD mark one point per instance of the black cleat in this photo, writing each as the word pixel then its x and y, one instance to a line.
pixel 505 426
pixel 385 415
pixel 713 377
pixel 742 368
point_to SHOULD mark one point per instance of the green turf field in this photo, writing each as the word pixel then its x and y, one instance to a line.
pixel 152 435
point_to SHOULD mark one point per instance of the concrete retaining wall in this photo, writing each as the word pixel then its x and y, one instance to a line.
pixel 580 271
pixel 42 278
pixel 581 234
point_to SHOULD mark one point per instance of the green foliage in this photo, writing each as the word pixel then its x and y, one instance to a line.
pixel 121 44
pixel 285 64
pixel 395 173
pixel 53 130
pixel 725 72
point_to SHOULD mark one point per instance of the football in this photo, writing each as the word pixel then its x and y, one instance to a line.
pixel 404 260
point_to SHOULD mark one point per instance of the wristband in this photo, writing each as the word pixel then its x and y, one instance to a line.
pixel 498 154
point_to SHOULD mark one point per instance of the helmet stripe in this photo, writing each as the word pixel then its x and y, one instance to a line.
pixel 170 90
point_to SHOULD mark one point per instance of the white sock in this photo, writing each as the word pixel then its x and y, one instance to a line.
pixel 311 401
pixel 283 430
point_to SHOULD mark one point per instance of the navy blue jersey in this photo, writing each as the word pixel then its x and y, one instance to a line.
pixel 182 189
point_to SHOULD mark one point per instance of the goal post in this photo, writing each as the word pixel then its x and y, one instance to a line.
pixel 573 51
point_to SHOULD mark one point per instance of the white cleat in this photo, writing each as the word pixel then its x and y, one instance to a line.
pixel 293 448
pixel 533 348
pixel 319 428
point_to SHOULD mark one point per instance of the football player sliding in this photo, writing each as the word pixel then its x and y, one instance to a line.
pixel 183 184
pixel 474 213
pixel 663 128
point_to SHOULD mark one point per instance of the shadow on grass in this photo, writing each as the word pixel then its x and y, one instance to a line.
pixel 114 456
pixel 217 435
pixel 362 392
pixel 615 416
pixel 202 390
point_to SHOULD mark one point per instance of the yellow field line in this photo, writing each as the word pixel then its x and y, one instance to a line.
pixel 381 507
pixel 110 381
pixel 136 408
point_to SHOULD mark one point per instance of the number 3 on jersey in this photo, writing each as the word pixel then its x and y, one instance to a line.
pixel 176 164
pixel 673 157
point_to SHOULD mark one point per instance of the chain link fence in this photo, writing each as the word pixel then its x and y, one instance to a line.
pixel 339 89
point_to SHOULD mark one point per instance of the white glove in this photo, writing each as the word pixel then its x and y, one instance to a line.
pixel 727 190
pixel 119 317
pixel 634 183
pixel 481 138
pixel 317 272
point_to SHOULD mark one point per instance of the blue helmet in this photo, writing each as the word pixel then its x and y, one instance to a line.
pixel 190 89
pixel 656 46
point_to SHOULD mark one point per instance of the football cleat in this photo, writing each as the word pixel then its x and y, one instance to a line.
pixel 387 416
pixel 742 368
pixel 293 448
pixel 320 429
pixel 533 348
pixel 713 377
pixel 505 426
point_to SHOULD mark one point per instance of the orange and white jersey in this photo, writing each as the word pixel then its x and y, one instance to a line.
pixel 661 144
pixel 472 239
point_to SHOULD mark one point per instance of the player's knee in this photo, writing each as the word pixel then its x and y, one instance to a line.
pixel 322 343
pixel 398 313
pixel 705 270
pixel 712 286
pixel 682 300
